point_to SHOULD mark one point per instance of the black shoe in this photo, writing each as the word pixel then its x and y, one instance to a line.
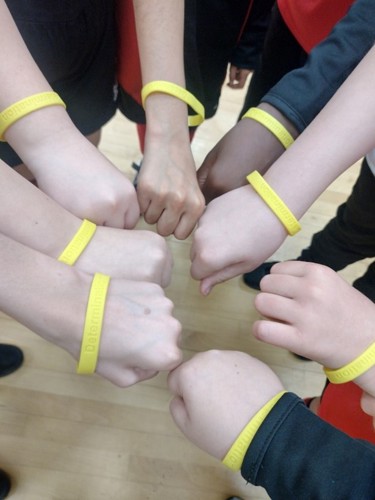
pixel 253 278
pixel 5 484
pixel 11 358
pixel 366 283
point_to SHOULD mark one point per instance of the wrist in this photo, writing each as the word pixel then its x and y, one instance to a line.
pixel 42 130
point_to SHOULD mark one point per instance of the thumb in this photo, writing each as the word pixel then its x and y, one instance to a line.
pixel 224 274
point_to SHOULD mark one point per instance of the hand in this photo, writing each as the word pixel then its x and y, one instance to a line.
pixel 168 191
pixel 313 312
pixel 246 147
pixel 216 394
pixel 140 336
pixel 236 234
pixel 133 255
pixel 237 77
pixel 83 181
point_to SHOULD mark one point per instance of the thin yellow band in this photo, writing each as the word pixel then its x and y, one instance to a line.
pixel 275 203
pixel 26 106
pixel 273 125
pixel 354 369
pixel 93 325
pixel 234 458
pixel 79 242
pixel 176 91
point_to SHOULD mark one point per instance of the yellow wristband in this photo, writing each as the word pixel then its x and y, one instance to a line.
pixel 275 203
pixel 273 125
pixel 176 91
pixel 79 242
pixel 26 106
pixel 93 325
pixel 354 369
pixel 234 458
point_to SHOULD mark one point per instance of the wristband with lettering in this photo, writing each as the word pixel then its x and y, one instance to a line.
pixel 234 458
pixel 180 93
pixel 26 106
pixel 354 369
pixel 272 124
pixel 93 325
pixel 79 242
pixel 274 202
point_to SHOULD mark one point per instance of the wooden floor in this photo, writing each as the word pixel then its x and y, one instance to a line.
pixel 65 437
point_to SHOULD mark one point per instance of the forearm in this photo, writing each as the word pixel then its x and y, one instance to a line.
pixel 30 282
pixel 32 218
pixel 20 77
pixel 292 430
pixel 160 27
pixel 340 135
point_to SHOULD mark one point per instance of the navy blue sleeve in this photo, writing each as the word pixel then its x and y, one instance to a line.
pixel 302 93
pixel 295 454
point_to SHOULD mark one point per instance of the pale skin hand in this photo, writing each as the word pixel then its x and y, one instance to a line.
pixel 168 191
pixel 139 336
pixel 73 172
pixel 224 244
pixel 64 163
pixel 312 311
pixel 39 222
pixel 216 394
pixel 299 176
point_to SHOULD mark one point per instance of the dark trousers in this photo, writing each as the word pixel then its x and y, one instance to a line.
pixel 350 235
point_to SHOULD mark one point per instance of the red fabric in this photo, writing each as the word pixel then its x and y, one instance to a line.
pixel 340 406
pixel 311 21
pixel 128 65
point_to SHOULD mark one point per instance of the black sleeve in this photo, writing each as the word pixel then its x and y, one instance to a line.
pixel 302 93
pixel 297 455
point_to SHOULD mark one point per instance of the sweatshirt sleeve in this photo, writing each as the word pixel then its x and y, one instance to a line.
pixel 302 93
pixel 295 454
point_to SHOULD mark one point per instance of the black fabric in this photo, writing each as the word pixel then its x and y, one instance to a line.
pixel 74 44
pixel 350 236
pixel 281 54
pixel 297 455
pixel 301 94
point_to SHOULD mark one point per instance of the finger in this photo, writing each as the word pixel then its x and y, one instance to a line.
pixel 220 276
pixel 292 267
pixel 187 223
pixel 167 222
pixel 202 173
pixel 153 212
pixel 132 215
pixel 279 335
pixel 281 284
pixel 276 307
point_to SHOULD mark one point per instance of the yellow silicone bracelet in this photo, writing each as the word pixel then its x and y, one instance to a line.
pixel 93 324
pixel 234 458
pixel 275 203
pixel 176 91
pixel 26 106
pixel 273 125
pixel 354 369
pixel 79 242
